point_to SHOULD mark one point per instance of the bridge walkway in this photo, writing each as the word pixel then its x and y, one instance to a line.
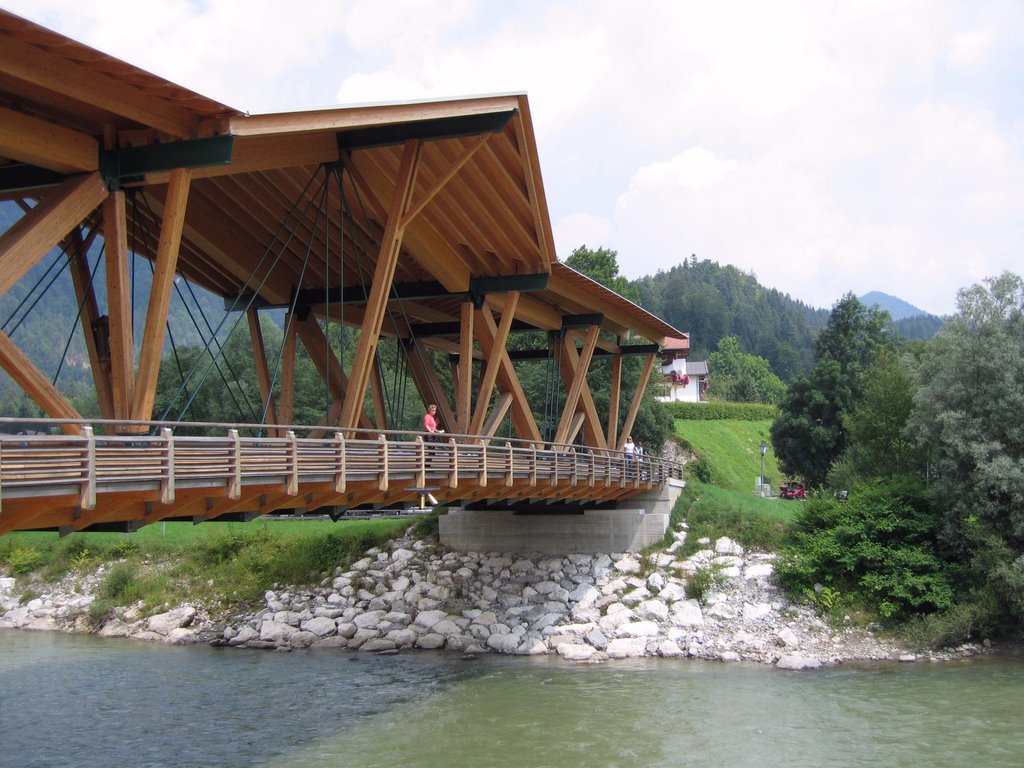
pixel 104 479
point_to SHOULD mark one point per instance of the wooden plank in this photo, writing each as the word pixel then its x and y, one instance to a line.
pixel 380 412
pixel 387 260
pixel 31 237
pixel 494 420
pixel 160 294
pixel 453 169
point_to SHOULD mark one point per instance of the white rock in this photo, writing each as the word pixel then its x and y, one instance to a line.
pixel 428 619
pixel 163 623
pixel 637 629
pixel 625 647
pixel 670 649
pixel 726 546
pixel 797 661
pixel 276 632
pixel 503 643
pixel 627 564
pixel 788 638
pixel 729 656
pixel 576 651
pixel 687 613
pixel 755 611
pixel 652 610
pixel 759 571
pixel 320 626
pixel 430 641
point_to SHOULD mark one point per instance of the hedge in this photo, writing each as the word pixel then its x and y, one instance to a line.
pixel 721 410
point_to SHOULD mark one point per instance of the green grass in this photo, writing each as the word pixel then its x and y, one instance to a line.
pixel 732 450
pixel 756 523
pixel 221 564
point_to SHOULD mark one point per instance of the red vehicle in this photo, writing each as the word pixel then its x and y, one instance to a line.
pixel 793 490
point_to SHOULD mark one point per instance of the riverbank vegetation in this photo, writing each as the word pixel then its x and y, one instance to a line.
pixel 916 455
pixel 219 564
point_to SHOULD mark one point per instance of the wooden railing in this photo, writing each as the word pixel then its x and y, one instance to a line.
pixel 229 456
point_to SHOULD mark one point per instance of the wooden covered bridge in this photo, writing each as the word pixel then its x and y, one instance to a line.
pixel 422 225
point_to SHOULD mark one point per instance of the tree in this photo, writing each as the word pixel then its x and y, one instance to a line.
pixel 970 409
pixel 741 378
pixel 879 446
pixel 809 433
pixel 602 265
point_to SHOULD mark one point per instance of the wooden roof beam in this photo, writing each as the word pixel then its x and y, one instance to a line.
pixel 38 142
pixel 36 66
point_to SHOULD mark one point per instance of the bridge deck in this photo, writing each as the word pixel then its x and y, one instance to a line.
pixel 75 482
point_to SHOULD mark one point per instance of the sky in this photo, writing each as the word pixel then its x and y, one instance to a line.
pixel 824 147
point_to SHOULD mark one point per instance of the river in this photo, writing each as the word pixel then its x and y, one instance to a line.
pixel 82 701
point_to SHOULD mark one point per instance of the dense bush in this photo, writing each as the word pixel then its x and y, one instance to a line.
pixel 722 410
pixel 878 549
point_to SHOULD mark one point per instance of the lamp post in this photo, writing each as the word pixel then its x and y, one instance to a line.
pixel 764 450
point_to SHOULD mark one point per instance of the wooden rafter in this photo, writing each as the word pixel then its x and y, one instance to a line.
pixel 613 402
pixel 286 405
pixel 46 145
pixel 35 384
pixel 32 236
pixel 569 365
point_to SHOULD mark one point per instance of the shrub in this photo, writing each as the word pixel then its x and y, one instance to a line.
pixel 120 585
pixel 722 410
pixel 125 549
pixel 24 560
pixel 702 582
pixel 879 548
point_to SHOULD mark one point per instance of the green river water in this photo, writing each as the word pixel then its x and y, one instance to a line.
pixel 82 701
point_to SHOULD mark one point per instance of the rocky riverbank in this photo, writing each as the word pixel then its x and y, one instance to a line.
pixel 583 607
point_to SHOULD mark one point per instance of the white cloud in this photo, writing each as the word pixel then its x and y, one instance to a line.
pixel 825 145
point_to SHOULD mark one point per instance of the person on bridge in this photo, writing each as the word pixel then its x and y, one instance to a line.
pixel 430 422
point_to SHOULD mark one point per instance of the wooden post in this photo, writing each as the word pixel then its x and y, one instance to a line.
pixel 235 478
pixel 292 487
pixel 340 481
pixel 464 382
pixel 119 305
pixel 259 355
pixel 167 481
pixel 87 492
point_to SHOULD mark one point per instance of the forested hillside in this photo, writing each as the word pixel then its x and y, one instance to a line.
pixel 711 301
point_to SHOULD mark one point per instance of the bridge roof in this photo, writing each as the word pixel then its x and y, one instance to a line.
pixel 477 210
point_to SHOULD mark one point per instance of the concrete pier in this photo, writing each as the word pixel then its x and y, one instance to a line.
pixel 641 522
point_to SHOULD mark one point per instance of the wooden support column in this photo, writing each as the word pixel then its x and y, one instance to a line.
pixel 380 412
pixel 259 355
pixel 464 381
pixel 613 403
pixel 160 293
pixel 36 385
pixel 31 237
pixel 638 395
pixel 494 354
pixel 376 305
pixel 568 367
pixel 522 416
pixel 579 379
pixel 99 360
pixel 119 305
pixel 286 406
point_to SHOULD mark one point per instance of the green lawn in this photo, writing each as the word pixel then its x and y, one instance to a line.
pixel 732 449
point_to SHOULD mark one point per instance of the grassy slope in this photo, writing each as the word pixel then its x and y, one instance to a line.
pixel 732 448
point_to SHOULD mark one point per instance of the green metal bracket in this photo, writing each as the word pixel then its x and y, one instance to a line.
pixel 132 163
